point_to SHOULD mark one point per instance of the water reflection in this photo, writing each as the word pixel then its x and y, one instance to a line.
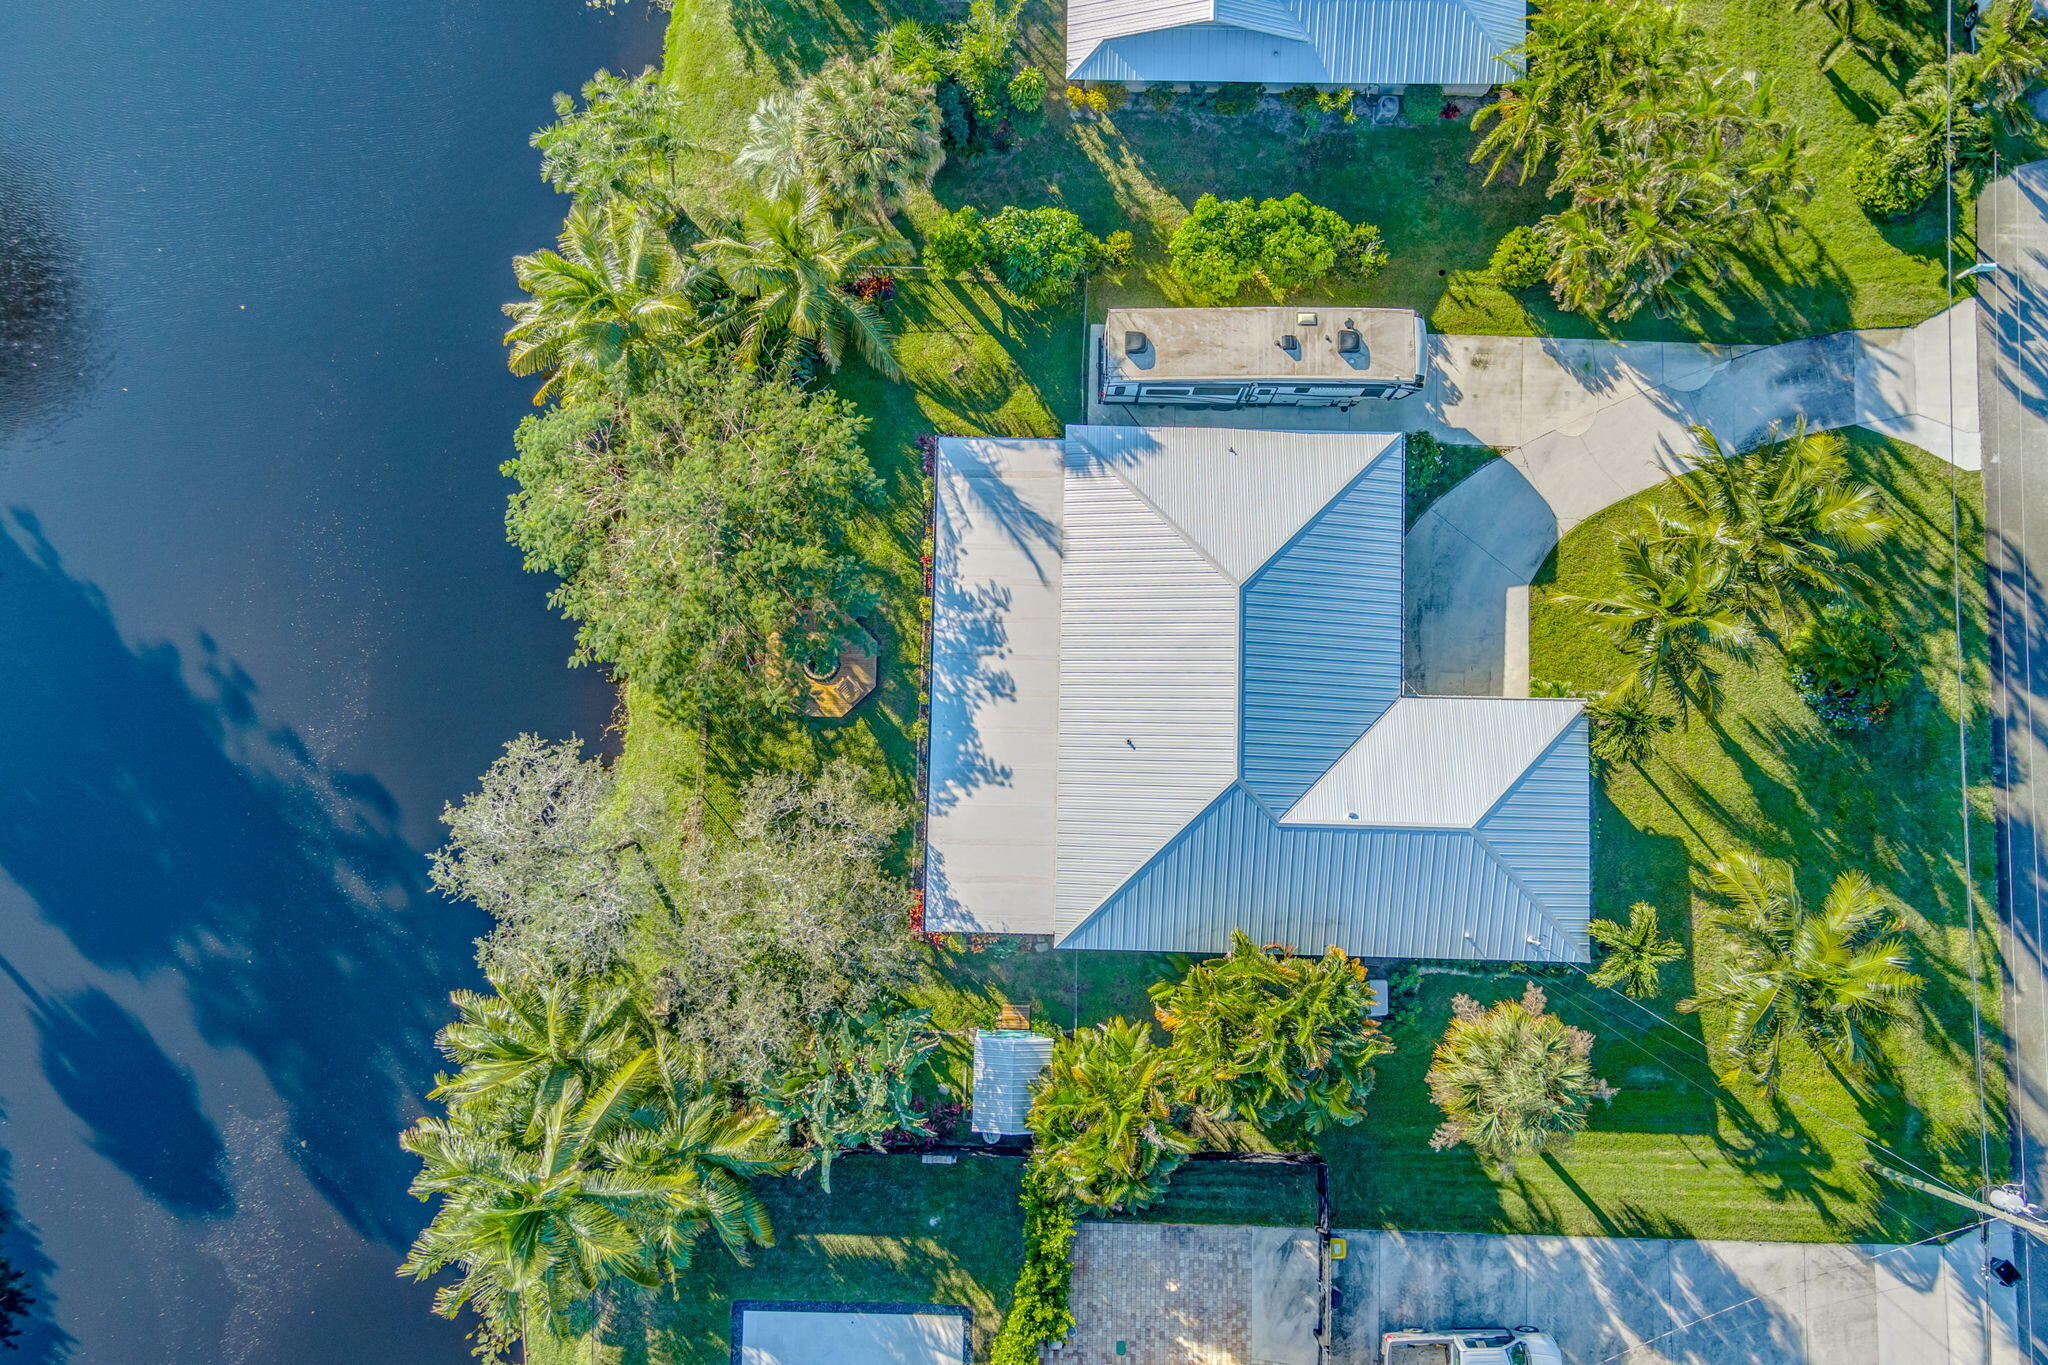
pixel 45 343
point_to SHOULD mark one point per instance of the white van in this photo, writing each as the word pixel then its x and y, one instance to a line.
pixel 1471 1346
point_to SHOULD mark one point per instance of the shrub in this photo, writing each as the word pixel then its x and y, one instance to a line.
pixel 915 47
pixel 1039 254
pixel 1162 98
pixel 1110 96
pixel 1027 90
pixel 1890 180
pixel 1038 1307
pixel 1301 99
pixel 956 127
pixel 957 243
pixel 1848 667
pixel 1520 260
pixel 1286 244
pixel 1118 251
pixel 1425 462
pixel 1421 105
pixel 1238 97
pixel 1338 102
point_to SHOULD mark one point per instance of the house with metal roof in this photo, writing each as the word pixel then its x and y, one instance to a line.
pixel 1360 44
pixel 1167 702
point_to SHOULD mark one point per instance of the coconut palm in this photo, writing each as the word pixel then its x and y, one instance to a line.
pixel 2011 58
pixel 607 308
pixel 1827 977
pixel 1271 1038
pixel 1672 615
pixel 716 1154
pixel 1782 514
pixel 1636 952
pixel 790 265
pixel 530 1042
pixel 1105 1116
pixel 1513 1081
pixel 769 155
pixel 1626 724
pixel 867 136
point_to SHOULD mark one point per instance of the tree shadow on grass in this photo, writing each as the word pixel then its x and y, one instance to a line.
pixel 795 37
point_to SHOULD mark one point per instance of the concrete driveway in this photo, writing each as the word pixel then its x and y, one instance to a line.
pixel 1615 1300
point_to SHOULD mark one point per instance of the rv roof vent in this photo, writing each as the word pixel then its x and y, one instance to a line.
pixel 1135 342
pixel 1290 342
pixel 1304 319
pixel 1348 341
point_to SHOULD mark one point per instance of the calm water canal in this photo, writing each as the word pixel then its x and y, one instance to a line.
pixel 257 623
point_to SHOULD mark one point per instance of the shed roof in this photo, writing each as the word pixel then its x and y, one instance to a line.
pixel 1006 1062
pixel 1357 43
pixel 1232 748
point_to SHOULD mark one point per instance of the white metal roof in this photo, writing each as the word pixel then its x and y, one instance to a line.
pixel 1294 42
pixel 1231 746
pixel 1006 1062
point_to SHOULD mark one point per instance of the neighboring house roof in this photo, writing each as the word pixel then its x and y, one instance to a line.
pixel 1231 748
pixel 1006 1062
pixel 1295 42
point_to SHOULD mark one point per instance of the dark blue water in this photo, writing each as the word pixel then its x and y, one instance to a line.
pixel 257 623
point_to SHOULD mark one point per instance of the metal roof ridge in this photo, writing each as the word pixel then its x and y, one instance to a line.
pixel 1562 734
pixel 1062 935
pixel 1535 901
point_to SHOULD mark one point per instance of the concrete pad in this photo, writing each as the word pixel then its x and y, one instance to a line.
pixel 810 1334
pixel 1286 1296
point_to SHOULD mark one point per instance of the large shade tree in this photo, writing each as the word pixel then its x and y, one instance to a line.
pixel 1274 1039
pixel 608 308
pixel 1106 1119
pixel 1514 1080
pixel 700 535
pixel 791 266
pixel 1828 977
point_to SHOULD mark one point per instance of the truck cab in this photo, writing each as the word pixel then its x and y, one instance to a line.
pixel 1470 1346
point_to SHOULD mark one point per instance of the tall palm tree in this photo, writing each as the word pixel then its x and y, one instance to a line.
pixel 1636 952
pixel 769 156
pixel 1828 977
pixel 530 1042
pixel 715 1154
pixel 1272 1038
pixel 1672 616
pixel 2011 58
pixel 1105 1117
pixel 607 308
pixel 867 136
pixel 1513 1080
pixel 790 265
pixel 1782 514
pixel 1626 724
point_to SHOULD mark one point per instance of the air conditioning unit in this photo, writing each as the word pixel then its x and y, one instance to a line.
pixel 1290 343
pixel 1135 342
pixel 1349 342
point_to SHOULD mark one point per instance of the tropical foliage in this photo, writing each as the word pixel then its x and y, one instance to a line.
pixel 1520 259
pixel 1105 1117
pixel 791 265
pixel 859 135
pixel 1281 1041
pixel 1040 254
pixel 1826 977
pixel 852 1084
pixel 1636 952
pixel 1626 724
pixel 1848 666
pixel 698 532
pixel 1781 515
pixel 1281 244
pixel 626 143
pixel 608 309
pixel 1670 159
pixel 1513 1081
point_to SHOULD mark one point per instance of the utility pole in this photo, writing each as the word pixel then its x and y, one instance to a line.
pixel 2023 1220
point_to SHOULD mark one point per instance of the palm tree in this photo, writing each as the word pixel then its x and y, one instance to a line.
pixel 1827 977
pixel 1105 1117
pixel 1636 952
pixel 1272 1038
pixel 531 1042
pixel 867 136
pixel 1626 724
pixel 2011 58
pixel 1672 616
pixel 791 265
pixel 706 1148
pixel 1513 1081
pixel 1782 514
pixel 769 155
pixel 607 309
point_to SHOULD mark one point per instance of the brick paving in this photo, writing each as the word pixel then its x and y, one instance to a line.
pixel 1174 1294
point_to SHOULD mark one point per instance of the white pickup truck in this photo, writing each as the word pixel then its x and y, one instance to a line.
pixel 1470 1346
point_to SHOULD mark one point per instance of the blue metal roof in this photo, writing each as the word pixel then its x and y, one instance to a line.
pixel 1321 650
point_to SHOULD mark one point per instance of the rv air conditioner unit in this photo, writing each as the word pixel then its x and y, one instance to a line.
pixel 1134 342
pixel 1348 341
pixel 1290 342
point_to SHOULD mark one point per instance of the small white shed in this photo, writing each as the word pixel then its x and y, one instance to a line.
pixel 1006 1062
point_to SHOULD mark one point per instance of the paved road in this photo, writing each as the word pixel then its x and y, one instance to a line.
pixel 2013 390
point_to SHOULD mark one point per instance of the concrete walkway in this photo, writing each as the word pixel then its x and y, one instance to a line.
pixel 1672 1302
